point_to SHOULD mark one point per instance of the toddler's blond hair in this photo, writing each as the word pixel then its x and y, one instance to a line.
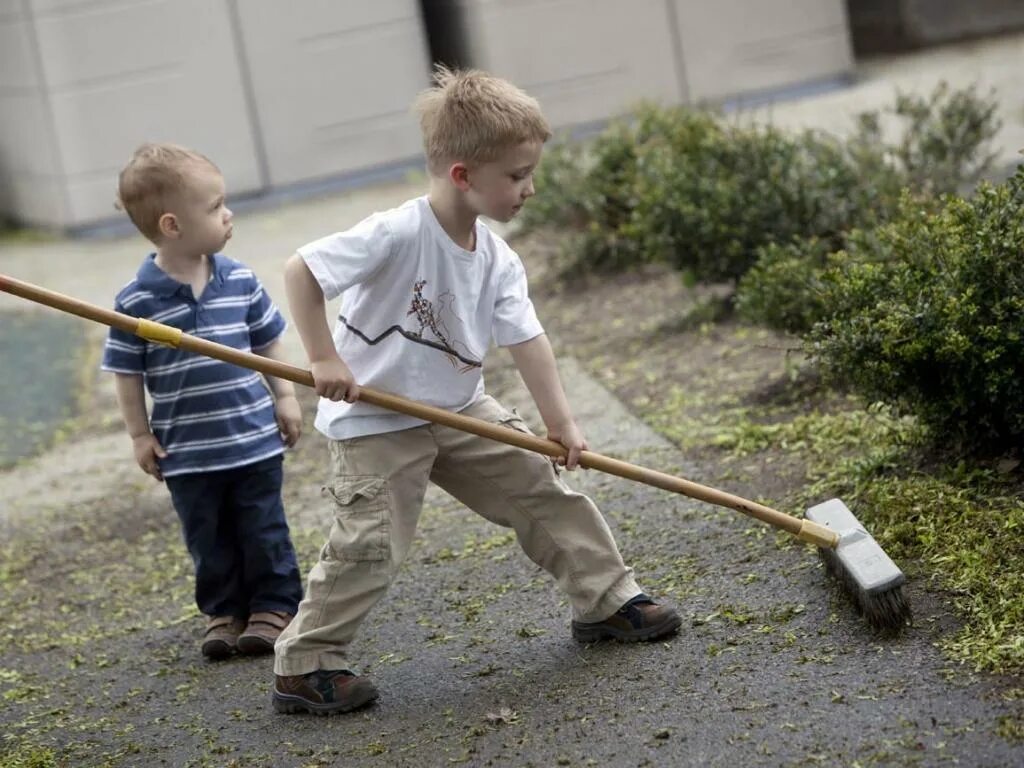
pixel 155 173
pixel 472 117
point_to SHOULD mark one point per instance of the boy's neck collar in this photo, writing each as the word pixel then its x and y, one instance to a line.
pixel 457 221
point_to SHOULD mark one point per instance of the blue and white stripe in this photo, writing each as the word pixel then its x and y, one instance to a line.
pixel 208 415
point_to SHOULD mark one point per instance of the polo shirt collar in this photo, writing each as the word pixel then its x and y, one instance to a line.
pixel 154 279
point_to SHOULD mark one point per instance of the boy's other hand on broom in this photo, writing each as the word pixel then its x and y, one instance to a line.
pixel 571 437
pixel 289 419
pixel 334 380
pixel 148 453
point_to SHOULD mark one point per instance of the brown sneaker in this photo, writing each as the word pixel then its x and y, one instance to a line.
pixel 221 636
pixel 322 692
pixel 639 619
pixel 262 632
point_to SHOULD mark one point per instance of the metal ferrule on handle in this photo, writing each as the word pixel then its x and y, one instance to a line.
pixel 803 529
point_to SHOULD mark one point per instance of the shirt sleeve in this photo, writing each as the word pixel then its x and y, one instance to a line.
pixel 265 321
pixel 347 258
pixel 515 319
pixel 123 352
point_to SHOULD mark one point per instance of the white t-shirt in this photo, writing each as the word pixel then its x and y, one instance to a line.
pixel 417 314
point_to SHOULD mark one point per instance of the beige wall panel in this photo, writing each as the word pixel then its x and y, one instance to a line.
pixel 36 200
pixel 30 179
pixel 17 63
pixel 26 136
pixel 585 60
pixel 122 73
pixel 333 85
pixel 732 47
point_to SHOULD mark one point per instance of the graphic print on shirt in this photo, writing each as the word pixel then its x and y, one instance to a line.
pixel 430 319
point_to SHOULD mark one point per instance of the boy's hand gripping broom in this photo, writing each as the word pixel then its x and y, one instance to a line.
pixel 849 551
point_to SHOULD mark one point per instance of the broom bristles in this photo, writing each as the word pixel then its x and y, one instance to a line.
pixel 863 569
pixel 886 611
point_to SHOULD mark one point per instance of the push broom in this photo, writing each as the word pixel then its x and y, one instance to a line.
pixel 850 553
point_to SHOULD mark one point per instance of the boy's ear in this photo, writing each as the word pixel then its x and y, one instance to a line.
pixel 168 225
pixel 459 174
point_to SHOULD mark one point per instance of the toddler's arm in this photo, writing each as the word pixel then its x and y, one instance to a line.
pixel 333 378
pixel 286 407
pixel 536 363
pixel 131 399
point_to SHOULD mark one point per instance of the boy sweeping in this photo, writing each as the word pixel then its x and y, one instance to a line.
pixel 425 288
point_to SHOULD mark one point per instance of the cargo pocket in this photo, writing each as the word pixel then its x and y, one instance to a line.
pixel 513 420
pixel 361 529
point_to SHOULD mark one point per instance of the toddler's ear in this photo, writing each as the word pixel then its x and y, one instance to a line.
pixel 168 225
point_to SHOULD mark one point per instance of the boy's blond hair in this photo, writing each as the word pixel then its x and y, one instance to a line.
pixel 472 117
pixel 152 177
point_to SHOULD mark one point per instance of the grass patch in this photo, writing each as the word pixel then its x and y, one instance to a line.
pixel 15 753
pixel 960 524
pixel 967 534
pixel 740 401
pixel 107 596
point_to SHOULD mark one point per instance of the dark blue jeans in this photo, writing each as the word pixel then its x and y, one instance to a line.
pixel 236 532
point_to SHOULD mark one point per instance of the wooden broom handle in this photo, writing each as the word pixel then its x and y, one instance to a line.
pixel 804 529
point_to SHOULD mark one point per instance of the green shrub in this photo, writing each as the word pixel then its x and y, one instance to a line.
pixel 686 187
pixel 589 190
pixel 786 288
pixel 944 146
pixel 709 209
pixel 560 183
pixel 942 149
pixel 783 290
pixel 927 313
pixel 606 200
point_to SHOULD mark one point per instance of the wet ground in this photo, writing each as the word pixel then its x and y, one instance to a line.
pixel 471 648
pixel 42 357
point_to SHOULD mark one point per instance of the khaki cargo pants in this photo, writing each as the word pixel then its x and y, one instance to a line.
pixel 378 486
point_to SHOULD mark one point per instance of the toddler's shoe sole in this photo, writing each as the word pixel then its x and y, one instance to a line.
pixel 217 650
pixel 254 645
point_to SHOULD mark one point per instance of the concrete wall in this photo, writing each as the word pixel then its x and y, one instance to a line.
pixel 272 92
pixel 587 60
pixel 119 74
pixel 735 47
pixel 584 60
pixel 333 85
pixel 88 81
pixel 31 177
pixel 282 93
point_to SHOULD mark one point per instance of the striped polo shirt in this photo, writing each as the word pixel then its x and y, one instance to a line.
pixel 208 415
